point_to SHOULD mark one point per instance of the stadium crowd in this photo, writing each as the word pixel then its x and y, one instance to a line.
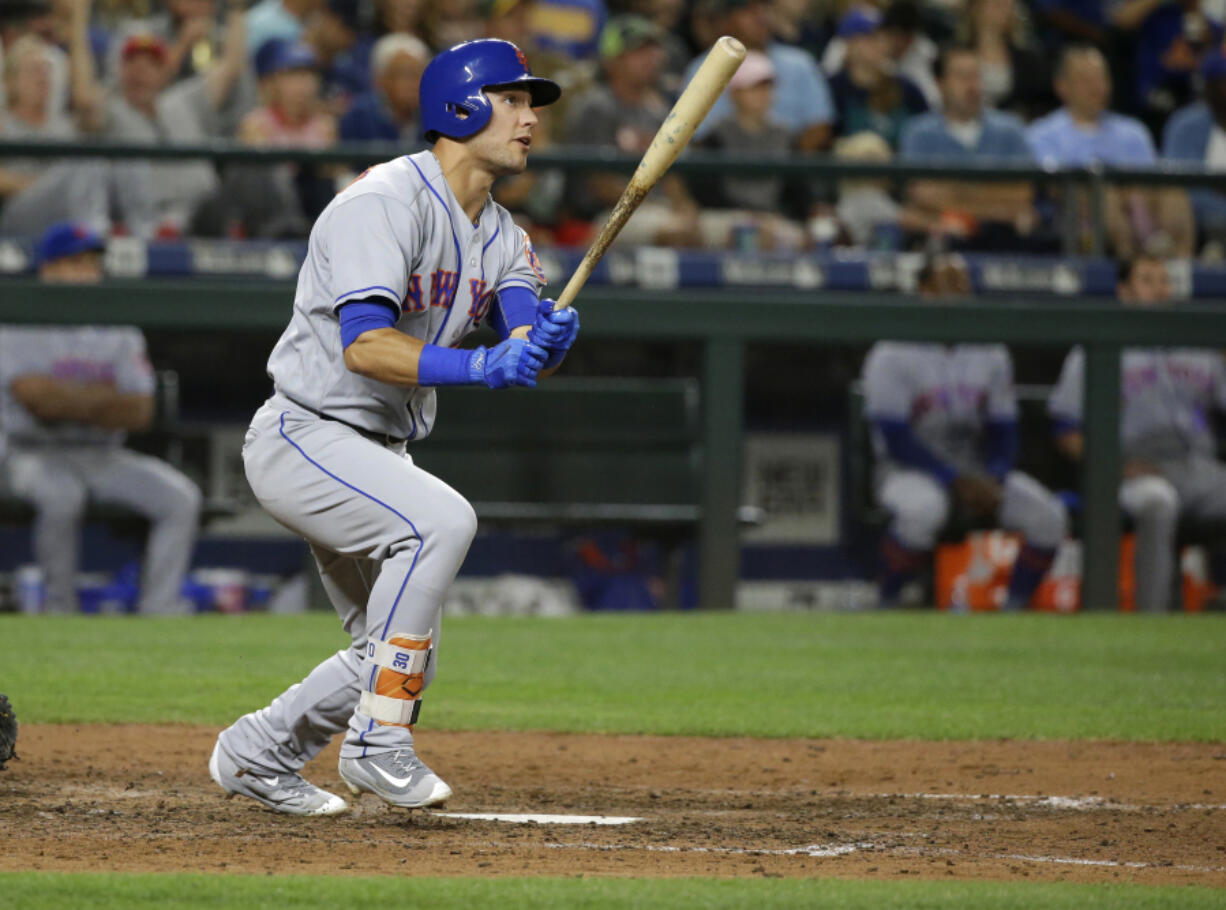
pixel 1049 82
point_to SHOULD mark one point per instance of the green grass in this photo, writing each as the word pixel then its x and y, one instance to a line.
pixel 924 676
pixel 198 892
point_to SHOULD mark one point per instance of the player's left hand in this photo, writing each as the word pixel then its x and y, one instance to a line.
pixel 554 330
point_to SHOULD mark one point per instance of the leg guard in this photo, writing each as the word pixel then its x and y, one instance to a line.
pixel 398 678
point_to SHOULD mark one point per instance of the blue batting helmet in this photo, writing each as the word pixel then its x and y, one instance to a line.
pixel 453 101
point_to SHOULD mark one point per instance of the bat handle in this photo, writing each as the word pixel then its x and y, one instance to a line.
pixel 576 283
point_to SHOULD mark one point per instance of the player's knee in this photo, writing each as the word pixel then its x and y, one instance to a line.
pixel 188 501
pixel 65 505
pixel 1050 523
pixel 1153 499
pixel 919 519
pixel 460 524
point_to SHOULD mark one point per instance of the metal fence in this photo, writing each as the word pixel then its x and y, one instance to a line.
pixel 1094 179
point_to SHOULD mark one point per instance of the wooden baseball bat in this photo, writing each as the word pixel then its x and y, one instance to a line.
pixel 673 136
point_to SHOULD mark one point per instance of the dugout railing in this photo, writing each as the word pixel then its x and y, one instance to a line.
pixel 1094 180
pixel 724 323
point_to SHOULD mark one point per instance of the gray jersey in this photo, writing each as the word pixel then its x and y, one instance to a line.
pixel 946 394
pixel 397 233
pixel 1166 398
pixel 114 355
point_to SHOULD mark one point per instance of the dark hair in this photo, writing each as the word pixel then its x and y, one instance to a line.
pixel 1069 51
pixel 1125 267
pixel 948 50
pixel 904 16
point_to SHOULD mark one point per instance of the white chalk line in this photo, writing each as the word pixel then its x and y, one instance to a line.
pixel 1079 803
pixel 528 818
pixel 837 850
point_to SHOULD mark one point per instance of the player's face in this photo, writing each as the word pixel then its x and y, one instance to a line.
pixel 1149 284
pixel 502 147
pixel 79 268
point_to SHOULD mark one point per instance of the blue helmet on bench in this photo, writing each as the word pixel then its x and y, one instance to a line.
pixel 453 86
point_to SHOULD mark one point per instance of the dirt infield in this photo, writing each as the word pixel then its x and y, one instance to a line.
pixel 138 798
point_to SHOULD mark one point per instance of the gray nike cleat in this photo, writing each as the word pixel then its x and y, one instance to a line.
pixel 399 778
pixel 283 791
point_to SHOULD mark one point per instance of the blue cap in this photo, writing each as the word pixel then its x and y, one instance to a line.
pixel 859 20
pixel 277 54
pixel 1214 65
pixel 67 239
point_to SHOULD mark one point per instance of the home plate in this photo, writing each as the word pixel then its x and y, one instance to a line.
pixel 530 818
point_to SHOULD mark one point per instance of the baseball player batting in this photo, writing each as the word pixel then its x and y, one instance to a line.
pixel 945 434
pixel 400 267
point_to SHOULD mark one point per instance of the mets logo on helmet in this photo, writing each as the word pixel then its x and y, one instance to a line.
pixel 523 61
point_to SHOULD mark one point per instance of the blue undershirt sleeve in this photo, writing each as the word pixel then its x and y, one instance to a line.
pixel 515 306
pixel 904 448
pixel 1000 447
pixel 365 315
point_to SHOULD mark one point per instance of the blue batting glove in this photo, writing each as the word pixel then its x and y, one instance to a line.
pixel 555 331
pixel 513 362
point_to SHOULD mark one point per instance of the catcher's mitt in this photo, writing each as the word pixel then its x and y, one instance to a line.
pixel 8 731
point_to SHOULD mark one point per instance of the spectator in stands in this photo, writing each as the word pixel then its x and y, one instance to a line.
pixel 281 200
pixel 193 35
pixel 142 109
pixel 802 97
pixel 390 111
pixel 68 395
pixel 19 18
pixel 27 80
pixel 746 212
pixel 1197 134
pixel 1084 132
pixel 866 214
pixel 342 48
pixel 622 112
pixel 293 114
pixel 944 425
pixel 407 16
pixel 283 19
pixel 911 51
pixel 868 94
pixel 1172 39
pixel 1170 453
pixel 667 14
pixel 998 216
pixel 569 28
pixel 512 20
pixel 1015 77
pixel 39 192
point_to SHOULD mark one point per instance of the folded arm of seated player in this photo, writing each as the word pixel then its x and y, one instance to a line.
pixel 375 349
pixel 1000 446
pixel 904 447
